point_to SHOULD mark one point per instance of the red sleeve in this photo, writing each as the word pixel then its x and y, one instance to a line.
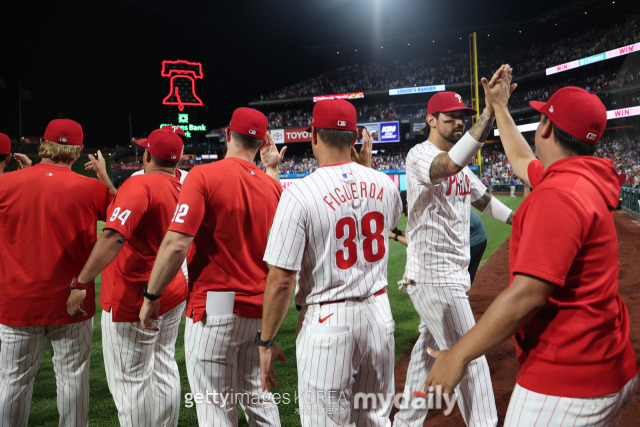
pixel 128 207
pixel 191 205
pixel 553 231
pixel 103 198
pixel 535 171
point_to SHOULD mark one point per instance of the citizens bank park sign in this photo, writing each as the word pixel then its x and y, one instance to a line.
pixel 381 132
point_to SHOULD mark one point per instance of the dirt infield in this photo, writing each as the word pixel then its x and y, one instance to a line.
pixel 492 278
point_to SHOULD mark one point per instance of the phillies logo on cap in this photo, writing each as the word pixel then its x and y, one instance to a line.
pixel 342 123
pixel 252 132
pixel 459 97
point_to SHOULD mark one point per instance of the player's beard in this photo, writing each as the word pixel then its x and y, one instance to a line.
pixel 452 137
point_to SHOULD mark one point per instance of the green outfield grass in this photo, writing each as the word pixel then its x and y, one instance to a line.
pixel 102 409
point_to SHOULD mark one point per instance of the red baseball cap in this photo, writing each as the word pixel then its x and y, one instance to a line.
pixel 335 114
pixel 64 131
pixel 447 101
pixel 576 111
pixel 178 130
pixel 250 122
pixel 142 142
pixel 5 144
pixel 164 144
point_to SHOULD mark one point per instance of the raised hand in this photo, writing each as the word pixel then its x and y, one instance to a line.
pixel 269 154
pixel 364 156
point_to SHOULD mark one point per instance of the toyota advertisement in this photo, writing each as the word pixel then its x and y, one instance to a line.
pixel 290 135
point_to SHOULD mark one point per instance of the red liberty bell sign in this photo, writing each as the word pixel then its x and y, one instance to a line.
pixel 182 76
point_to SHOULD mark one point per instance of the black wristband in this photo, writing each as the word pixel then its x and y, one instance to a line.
pixel 395 237
pixel 265 344
pixel 149 296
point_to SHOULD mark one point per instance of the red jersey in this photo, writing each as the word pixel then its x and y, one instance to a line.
pixel 48 217
pixel 578 344
pixel 228 206
pixel 141 212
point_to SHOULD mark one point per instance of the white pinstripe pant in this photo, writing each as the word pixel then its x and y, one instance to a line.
pixel 335 368
pixel 528 408
pixel 20 356
pixel 223 366
pixel 141 369
pixel 445 316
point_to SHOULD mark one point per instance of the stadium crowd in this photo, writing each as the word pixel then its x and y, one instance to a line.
pixel 496 170
pixel 449 67
pixel 306 165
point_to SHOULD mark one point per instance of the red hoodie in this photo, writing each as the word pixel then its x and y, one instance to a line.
pixel 578 344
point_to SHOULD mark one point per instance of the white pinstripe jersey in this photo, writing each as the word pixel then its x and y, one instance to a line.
pixel 332 227
pixel 438 224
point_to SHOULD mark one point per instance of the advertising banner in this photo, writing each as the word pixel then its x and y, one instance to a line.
pixel 290 135
pixel 418 89
pixel 381 132
pixel 353 95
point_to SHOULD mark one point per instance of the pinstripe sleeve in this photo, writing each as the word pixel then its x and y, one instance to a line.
pixel 287 239
pixel 419 161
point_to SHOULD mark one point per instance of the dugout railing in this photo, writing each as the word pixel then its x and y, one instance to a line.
pixel 630 200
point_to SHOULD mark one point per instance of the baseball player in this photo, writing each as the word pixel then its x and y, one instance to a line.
pixel 5 155
pixel 226 209
pixel 46 239
pixel 181 175
pixel 142 372
pixel 440 189
pixel 577 362
pixel 331 229
pixel 477 243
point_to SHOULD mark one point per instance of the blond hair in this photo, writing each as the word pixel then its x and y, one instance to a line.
pixel 59 152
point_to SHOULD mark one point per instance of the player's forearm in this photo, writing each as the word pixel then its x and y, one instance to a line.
pixel 516 148
pixel 481 128
pixel 274 172
pixel 105 250
pixel 504 317
pixel 107 181
pixel 462 153
pixel 398 237
pixel 494 208
pixel 277 298
pixel 172 253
